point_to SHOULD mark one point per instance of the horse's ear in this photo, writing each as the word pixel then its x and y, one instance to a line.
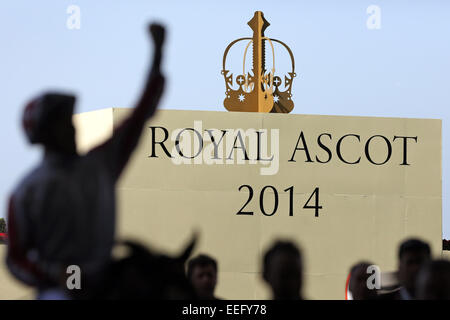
pixel 135 247
pixel 189 248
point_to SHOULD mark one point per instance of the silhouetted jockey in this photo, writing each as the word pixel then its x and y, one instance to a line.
pixel 63 212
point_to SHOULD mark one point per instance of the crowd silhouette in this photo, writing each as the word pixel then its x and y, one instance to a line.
pixel 358 282
pixel 63 213
pixel 202 275
pixel 282 270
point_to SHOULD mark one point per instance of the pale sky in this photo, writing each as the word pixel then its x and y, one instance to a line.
pixel 344 68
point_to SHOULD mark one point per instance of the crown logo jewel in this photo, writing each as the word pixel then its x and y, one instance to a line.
pixel 260 90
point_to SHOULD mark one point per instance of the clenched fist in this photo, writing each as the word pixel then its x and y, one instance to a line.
pixel 158 33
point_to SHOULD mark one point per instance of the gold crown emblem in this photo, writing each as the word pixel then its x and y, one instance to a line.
pixel 260 91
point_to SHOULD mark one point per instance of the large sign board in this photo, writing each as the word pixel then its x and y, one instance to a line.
pixel 343 188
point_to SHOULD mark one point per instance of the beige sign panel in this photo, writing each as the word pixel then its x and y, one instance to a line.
pixel 10 287
pixel 343 188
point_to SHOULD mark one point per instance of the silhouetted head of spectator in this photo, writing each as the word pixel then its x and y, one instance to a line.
pixel 202 273
pixel 47 120
pixel 358 282
pixel 413 253
pixel 282 270
pixel 433 281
